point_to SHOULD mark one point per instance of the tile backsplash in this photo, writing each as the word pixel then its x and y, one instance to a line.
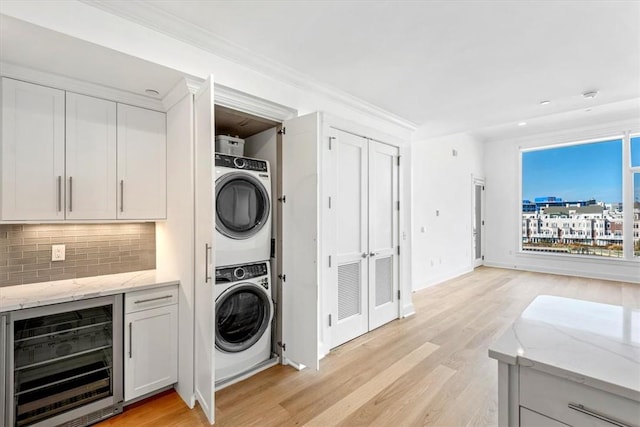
pixel 91 250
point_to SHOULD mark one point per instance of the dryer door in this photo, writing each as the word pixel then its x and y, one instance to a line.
pixel 242 205
pixel 243 313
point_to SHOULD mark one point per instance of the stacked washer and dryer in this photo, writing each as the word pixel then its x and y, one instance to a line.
pixel 243 290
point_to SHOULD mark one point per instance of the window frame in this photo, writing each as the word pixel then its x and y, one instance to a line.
pixel 628 172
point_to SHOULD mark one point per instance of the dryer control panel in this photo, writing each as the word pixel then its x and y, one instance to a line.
pixel 241 272
pixel 244 163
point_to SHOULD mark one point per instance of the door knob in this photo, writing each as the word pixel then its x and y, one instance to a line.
pixel 373 253
pixel 364 255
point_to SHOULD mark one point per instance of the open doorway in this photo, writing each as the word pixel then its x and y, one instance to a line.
pixel 477 223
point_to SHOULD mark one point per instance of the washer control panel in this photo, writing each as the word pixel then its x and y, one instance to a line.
pixel 241 272
pixel 244 163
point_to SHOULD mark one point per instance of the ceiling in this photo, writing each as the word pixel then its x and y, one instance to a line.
pixel 448 66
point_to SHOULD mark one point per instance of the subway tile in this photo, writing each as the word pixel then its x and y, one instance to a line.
pixel 31 240
pixel 23 275
pixel 32 267
pixel 109 260
pixel 22 261
pixel 10 268
pixel 50 272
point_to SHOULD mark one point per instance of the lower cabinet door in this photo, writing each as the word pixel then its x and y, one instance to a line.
pixel 533 419
pixel 151 350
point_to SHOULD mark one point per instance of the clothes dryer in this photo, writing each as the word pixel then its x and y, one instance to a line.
pixel 243 210
pixel 244 314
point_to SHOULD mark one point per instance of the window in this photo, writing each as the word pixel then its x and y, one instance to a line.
pixel 582 184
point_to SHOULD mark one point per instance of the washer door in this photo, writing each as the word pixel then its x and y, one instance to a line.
pixel 243 313
pixel 242 205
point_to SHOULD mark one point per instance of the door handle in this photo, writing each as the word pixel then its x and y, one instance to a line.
pixel 122 195
pixel 70 194
pixel 364 254
pixel 373 253
pixel 207 249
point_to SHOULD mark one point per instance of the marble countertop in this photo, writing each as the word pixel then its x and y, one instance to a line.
pixel 591 343
pixel 38 294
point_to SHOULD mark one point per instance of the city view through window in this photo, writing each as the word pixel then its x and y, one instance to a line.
pixel 572 199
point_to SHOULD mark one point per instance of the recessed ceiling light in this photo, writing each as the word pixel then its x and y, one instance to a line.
pixel 152 92
pixel 522 124
pixel 545 102
pixel 590 94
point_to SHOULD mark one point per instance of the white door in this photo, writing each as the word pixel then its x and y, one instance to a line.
pixel 32 152
pixel 299 210
pixel 350 316
pixel 204 265
pixel 478 222
pixel 383 234
pixel 90 158
pixel 150 350
pixel 366 287
pixel 142 163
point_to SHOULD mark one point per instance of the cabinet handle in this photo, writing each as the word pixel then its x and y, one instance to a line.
pixel 364 254
pixel 70 194
pixel 372 254
pixel 140 301
pixel 130 340
pixel 59 193
pixel 581 408
pixel 207 249
pixel 122 195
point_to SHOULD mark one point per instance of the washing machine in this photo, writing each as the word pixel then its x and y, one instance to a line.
pixel 243 210
pixel 244 314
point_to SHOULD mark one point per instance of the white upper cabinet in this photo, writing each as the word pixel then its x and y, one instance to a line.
pixel 90 158
pixel 32 152
pixel 86 159
pixel 142 163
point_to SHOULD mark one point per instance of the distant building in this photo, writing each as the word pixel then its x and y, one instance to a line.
pixel 552 201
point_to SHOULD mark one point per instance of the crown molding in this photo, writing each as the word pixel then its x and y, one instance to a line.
pixel 240 101
pixel 30 75
pixel 150 16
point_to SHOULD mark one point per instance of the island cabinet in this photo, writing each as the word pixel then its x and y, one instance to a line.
pixel 150 341
pixel 570 362
pixel 73 157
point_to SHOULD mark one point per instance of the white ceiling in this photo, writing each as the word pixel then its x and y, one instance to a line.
pixel 448 66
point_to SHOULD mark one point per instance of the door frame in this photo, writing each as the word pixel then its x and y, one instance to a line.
pixel 477 181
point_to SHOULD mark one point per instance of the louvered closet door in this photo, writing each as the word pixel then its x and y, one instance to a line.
pixel 383 234
pixel 350 317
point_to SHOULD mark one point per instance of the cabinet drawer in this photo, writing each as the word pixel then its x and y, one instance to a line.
pixel 555 397
pixel 150 298
pixel 533 419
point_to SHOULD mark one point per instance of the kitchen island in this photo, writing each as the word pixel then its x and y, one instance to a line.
pixel 570 362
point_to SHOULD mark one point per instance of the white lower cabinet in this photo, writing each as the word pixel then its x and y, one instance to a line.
pixel 150 341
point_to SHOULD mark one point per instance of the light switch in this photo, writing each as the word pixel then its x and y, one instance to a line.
pixel 57 252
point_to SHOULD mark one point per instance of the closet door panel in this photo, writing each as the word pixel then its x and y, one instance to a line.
pixel 350 312
pixel 383 234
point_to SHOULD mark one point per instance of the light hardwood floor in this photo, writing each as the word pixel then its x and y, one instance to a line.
pixel 428 369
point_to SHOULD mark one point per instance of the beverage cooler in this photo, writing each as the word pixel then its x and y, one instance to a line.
pixel 64 363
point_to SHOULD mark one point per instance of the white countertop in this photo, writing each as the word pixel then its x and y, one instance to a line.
pixel 591 343
pixel 38 294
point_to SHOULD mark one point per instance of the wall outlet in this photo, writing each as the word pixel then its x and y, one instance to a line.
pixel 57 252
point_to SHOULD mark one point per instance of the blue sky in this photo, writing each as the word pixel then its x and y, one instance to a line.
pixel 577 172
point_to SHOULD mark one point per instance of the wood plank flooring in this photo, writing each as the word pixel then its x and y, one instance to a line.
pixel 429 369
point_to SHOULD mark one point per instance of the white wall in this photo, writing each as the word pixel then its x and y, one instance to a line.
pixel 504 204
pixel 443 182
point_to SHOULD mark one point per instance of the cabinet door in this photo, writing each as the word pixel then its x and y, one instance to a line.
pixel 90 158
pixel 204 303
pixel 151 350
pixel 32 152
pixel 300 145
pixel 142 163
